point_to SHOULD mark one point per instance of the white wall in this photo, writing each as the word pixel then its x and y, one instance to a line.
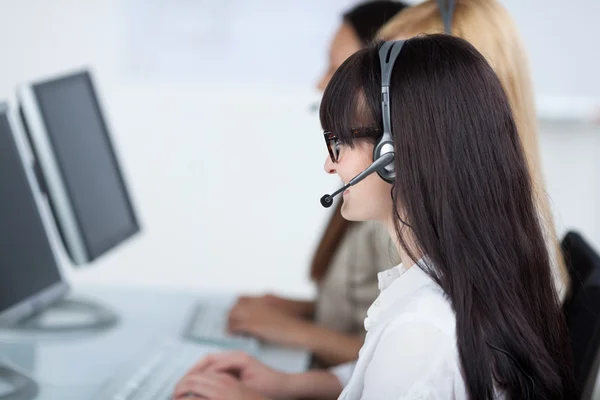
pixel 226 170
pixel 561 39
pixel 226 176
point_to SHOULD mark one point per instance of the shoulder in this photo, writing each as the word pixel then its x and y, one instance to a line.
pixel 422 344
pixel 428 307
pixel 417 336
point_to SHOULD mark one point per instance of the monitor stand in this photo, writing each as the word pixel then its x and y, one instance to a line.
pixel 68 316
pixel 16 386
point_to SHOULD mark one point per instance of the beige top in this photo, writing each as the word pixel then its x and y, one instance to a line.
pixel 350 285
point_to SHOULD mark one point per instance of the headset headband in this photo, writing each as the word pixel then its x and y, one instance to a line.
pixel 388 53
pixel 447 10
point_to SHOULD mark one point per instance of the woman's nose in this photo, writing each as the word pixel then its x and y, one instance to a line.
pixel 329 166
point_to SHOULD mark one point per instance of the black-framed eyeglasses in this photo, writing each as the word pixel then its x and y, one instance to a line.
pixel 333 143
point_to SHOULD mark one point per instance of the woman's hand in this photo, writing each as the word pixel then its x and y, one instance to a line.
pixel 214 386
pixel 259 319
pixel 216 372
pixel 214 378
pixel 255 317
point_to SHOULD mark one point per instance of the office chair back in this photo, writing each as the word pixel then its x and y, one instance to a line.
pixel 582 310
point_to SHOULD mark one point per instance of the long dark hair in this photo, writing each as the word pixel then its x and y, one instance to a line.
pixel 366 19
pixel 465 198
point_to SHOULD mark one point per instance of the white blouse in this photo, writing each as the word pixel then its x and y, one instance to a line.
pixel 410 349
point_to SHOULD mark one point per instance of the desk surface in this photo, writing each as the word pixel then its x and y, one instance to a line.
pixel 76 366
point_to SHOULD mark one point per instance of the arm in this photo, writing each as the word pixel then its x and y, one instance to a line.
pixel 315 384
pixel 329 346
pixel 298 308
pixel 301 308
pixel 275 326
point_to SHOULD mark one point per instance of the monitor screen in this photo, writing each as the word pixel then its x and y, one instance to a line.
pixel 86 162
pixel 28 265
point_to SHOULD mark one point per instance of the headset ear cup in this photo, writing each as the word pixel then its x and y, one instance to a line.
pixel 385 146
pixel 388 176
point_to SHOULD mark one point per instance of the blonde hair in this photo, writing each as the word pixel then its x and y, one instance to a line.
pixel 489 27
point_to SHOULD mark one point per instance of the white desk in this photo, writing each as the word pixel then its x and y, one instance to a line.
pixel 77 366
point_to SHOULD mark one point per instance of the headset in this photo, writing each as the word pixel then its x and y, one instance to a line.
pixel 388 53
pixel 384 152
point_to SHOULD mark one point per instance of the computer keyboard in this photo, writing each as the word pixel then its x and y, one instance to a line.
pixel 153 376
pixel 208 324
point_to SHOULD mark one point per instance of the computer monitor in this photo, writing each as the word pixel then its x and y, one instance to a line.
pixel 78 164
pixel 30 278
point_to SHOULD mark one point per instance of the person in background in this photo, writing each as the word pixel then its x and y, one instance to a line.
pixel 487 25
pixel 348 257
pixel 471 312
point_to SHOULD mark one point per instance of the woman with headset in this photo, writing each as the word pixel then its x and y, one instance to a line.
pixel 348 257
pixel 471 311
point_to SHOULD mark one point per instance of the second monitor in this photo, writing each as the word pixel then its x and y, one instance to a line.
pixel 77 164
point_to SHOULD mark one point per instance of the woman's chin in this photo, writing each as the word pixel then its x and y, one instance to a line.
pixel 347 213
